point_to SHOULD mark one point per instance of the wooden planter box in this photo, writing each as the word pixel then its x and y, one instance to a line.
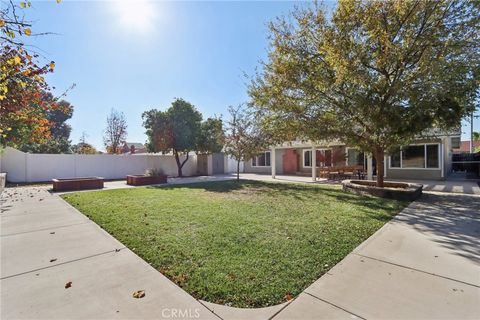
pixel 70 184
pixel 142 180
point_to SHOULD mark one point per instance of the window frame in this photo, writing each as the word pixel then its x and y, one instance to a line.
pixel 303 158
pixel 439 154
pixel 256 160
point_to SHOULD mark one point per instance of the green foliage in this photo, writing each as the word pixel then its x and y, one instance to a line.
pixel 476 136
pixel 375 75
pixel 247 244
pixel 59 130
pixel 211 137
pixel 174 130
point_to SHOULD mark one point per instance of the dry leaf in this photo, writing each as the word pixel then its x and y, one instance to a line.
pixel 68 284
pixel 139 294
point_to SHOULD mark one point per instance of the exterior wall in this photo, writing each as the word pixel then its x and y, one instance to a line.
pixel 248 168
pixel 26 167
pixel 230 165
pixel 424 174
pixel 414 174
pixel 391 173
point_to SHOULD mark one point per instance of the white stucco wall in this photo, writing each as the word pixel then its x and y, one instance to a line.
pixel 26 167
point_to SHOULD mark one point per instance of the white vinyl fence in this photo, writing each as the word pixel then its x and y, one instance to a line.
pixel 27 167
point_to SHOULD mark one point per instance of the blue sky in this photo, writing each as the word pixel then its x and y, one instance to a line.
pixel 137 57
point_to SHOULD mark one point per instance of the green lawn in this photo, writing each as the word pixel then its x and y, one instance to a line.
pixel 247 244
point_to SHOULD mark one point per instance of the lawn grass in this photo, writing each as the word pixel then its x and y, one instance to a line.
pixel 246 244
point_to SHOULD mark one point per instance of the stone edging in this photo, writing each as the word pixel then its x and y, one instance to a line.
pixel 391 190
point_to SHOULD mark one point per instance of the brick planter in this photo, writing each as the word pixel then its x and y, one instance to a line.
pixel 391 190
pixel 70 184
pixel 142 180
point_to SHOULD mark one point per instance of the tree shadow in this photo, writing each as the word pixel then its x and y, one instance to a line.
pixel 453 220
pixel 295 191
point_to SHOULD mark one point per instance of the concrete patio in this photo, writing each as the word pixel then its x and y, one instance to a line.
pixel 423 264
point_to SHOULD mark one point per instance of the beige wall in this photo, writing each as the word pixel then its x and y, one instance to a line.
pixel 26 167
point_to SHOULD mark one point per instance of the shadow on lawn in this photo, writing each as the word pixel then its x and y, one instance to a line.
pixel 296 191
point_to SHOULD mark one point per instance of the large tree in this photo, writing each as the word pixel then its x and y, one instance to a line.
pixel 116 132
pixel 244 138
pixel 373 74
pixel 175 130
pixel 23 111
pixel 59 140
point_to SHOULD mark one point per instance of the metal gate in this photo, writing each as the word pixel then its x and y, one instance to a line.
pixel 468 163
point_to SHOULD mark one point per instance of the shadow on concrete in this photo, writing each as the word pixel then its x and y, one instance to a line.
pixel 453 220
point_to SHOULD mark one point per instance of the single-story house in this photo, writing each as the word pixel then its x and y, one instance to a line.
pixel 429 157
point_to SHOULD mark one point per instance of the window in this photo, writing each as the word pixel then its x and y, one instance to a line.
pixel 416 157
pixel 307 158
pixel 413 157
pixel 432 156
pixel 355 157
pixel 262 160
pixel 395 160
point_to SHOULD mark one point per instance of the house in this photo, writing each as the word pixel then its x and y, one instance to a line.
pixel 133 147
pixel 429 157
pixel 465 146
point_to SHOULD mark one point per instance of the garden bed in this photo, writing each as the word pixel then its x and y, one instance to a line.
pixel 391 190
pixel 143 180
pixel 72 184
pixel 243 244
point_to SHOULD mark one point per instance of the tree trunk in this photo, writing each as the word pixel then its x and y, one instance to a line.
pixel 379 157
pixel 238 170
pixel 179 165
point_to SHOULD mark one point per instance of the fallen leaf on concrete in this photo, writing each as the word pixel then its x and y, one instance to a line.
pixel 139 294
pixel 53 260
pixel 68 284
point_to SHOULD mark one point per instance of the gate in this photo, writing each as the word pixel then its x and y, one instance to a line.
pixel 469 163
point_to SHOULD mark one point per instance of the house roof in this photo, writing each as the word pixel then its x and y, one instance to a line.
pixel 465 146
pixel 137 145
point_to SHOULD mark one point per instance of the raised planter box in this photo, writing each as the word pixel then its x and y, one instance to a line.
pixel 70 184
pixel 142 180
pixel 391 190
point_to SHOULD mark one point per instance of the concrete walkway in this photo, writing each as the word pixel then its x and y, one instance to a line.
pixel 424 264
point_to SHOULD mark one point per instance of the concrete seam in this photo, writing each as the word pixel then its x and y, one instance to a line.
pixel 199 301
pixel 410 268
pixel 281 309
pixel 62 263
pixel 334 305
pixel 45 229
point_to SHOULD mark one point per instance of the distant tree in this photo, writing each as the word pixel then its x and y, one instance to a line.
pixel 211 137
pixel 372 74
pixel 175 130
pixel 83 147
pixel 59 130
pixel 116 132
pixel 244 138
pixel 476 136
